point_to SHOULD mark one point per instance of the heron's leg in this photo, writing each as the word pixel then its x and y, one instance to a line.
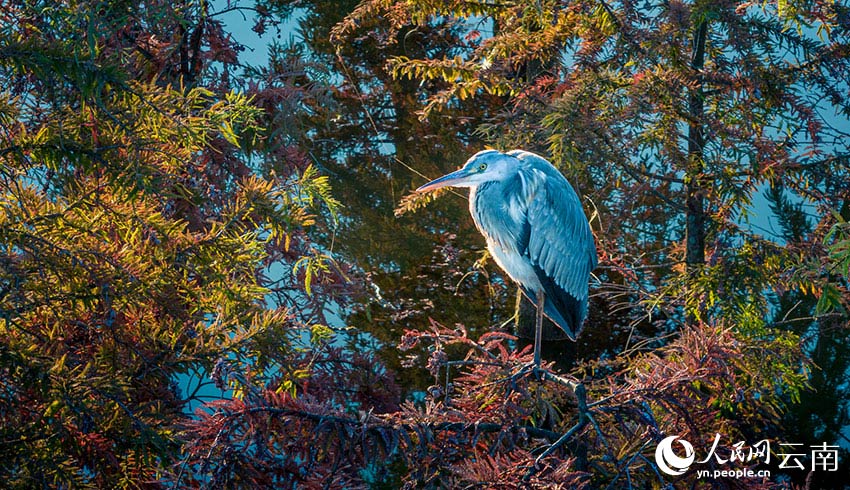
pixel 538 328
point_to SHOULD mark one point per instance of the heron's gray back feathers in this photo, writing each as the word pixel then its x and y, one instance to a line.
pixel 534 224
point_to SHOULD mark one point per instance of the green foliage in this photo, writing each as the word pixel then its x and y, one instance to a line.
pixel 838 243
pixel 132 245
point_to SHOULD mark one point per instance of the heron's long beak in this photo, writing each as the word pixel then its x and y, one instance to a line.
pixel 453 178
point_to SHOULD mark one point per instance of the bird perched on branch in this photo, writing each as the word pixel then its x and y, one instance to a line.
pixel 536 231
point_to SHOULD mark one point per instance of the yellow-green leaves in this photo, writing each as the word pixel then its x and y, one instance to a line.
pixel 313 267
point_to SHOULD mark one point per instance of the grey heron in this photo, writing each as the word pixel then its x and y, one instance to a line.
pixel 536 231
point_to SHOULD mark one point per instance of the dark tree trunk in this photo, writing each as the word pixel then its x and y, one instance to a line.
pixel 695 181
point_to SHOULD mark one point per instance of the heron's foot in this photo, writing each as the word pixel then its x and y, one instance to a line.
pixel 530 369
pixel 533 369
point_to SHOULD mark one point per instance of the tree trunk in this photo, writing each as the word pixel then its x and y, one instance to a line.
pixel 694 181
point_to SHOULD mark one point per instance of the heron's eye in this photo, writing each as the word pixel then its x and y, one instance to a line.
pixel 482 167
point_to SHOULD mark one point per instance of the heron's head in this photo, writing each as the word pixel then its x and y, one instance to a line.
pixel 484 166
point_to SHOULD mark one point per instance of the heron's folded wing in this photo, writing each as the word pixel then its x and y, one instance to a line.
pixel 560 241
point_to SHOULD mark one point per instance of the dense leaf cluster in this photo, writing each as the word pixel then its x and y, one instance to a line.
pixel 138 228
